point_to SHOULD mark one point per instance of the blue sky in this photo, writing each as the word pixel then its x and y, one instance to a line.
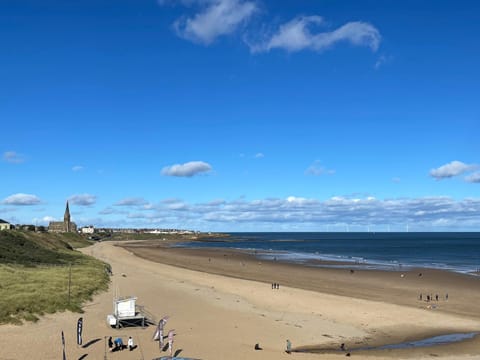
pixel 241 115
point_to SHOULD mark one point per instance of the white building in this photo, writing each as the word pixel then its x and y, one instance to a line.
pixel 5 225
pixel 88 229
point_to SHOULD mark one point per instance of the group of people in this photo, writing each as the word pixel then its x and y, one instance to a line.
pixel 275 286
pixel 117 344
pixel 430 297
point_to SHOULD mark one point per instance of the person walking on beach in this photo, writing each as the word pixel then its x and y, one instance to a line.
pixel 130 343
pixel 110 344
pixel 288 350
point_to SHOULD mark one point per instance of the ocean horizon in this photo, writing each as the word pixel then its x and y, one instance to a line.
pixel 454 251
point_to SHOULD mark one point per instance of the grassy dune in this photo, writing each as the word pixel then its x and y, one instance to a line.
pixel 35 271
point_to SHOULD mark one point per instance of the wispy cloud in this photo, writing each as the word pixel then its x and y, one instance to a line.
pixel 188 169
pixel 77 168
pixel 83 199
pixel 135 202
pixel 112 211
pixel 452 169
pixel 214 19
pixel 22 200
pixel 317 169
pixel 13 157
pixel 299 34
pixel 259 155
pixel 382 60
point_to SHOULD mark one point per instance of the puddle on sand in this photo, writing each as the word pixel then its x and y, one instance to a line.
pixel 432 341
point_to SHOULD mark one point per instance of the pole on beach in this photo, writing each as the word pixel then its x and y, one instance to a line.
pixel 105 355
pixel 63 347
pixel 69 281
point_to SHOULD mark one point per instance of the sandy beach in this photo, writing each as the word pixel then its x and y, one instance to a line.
pixel 221 303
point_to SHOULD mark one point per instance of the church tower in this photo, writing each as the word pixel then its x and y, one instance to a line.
pixel 66 219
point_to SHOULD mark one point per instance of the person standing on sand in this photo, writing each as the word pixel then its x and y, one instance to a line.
pixel 130 343
pixel 288 350
pixel 110 344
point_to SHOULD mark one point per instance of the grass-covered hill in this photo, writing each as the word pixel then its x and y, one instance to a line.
pixel 37 270
pixel 30 248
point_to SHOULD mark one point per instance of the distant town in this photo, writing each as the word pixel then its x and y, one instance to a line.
pixel 68 226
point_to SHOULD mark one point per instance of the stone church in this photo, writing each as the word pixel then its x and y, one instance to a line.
pixel 63 226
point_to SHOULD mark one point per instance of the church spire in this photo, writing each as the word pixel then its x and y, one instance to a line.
pixel 66 217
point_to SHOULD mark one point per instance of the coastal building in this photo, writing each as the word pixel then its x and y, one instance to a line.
pixel 63 226
pixel 88 229
pixel 5 225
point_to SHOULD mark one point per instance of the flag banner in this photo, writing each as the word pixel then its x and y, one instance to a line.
pixel 63 346
pixel 159 329
pixel 79 331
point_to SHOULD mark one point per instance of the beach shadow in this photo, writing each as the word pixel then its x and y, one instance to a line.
pixel 91 342
pixel 165 347
pixel 177 352
pixel 83 357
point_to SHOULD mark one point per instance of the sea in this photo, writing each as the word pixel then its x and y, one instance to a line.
pixel 454 251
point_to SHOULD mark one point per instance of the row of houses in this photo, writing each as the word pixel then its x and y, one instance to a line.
pixel 5 225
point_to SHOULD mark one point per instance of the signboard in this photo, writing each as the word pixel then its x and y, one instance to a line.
pixel 126 307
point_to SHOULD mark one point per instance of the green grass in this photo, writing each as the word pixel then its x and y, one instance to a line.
pixel 34 276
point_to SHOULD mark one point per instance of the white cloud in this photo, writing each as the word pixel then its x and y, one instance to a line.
pixel 131 202
pixel 473 178
pixel 317 169
pixel 307 214
pixel 110 211
pixel 216 18
pixel 259 155
pixel 13 157
pixel 188 169
pixel 47 219
pixel 83 199
pixel 451 169
pixel 77 168
pixel 21 199
pixel 297 35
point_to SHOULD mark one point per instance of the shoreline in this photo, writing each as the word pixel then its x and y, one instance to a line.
pixel 354 258
pixel 330 261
